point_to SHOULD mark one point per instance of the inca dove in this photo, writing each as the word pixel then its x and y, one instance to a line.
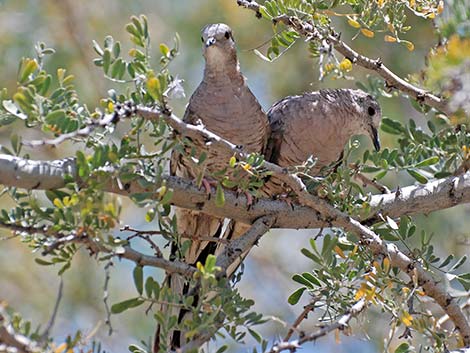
pixel 318 124
pixel 224 104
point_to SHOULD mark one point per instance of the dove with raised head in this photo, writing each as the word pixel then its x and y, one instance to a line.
pixel 224 105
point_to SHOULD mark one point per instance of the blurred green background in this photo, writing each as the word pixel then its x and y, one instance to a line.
pixel 70 26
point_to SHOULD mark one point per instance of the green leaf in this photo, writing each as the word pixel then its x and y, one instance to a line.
pixel 458 263
pixel 6 119
pixel 403 348
pixel 261 55
pixel 116 67
pixel 149 286
pixel 255 335
pixel 139 278
pixel 464 280
pixel 370 169
pixel 429 161
pixel 311 255
pixel 392 224
pixel 219 196
pixel 391 126
pixel 116 49
pixel 136 349
pixel 150 215
pixel 43 262
pixel 295 297
pixel 311 278
pixel 55 117
pixel 106 60
pixel 164 49
pixel 126 304
pixel 28 66
pixel 301 280
pixel 222 349
pixel 97 48
pixel 446 261
pixel 210 263
pixel 418 176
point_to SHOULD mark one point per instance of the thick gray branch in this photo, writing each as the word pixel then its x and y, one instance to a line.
pixel 46 175
pixel 435 195
pixel 28 174
pixel 416 199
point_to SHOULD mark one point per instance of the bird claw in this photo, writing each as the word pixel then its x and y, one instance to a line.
pixel 249 200
pixel 208 184
pixel 287 199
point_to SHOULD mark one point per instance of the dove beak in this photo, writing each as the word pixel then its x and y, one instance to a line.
pixel 374 134
pixel 210 41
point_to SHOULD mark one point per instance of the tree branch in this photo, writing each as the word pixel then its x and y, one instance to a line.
pixel 433 288
pixel 433 196
pixel 125 252
pixel 50 324
pixel 333 217
pixel 340 324
pixel 244 243
pixel 327 214
pixel 10 339
pixel 302 316
pixel 392 80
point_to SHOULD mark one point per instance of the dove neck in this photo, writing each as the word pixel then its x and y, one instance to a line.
pixel 227 70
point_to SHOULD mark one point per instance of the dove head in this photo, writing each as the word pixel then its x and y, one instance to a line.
pixel 219 46
pixel 367 115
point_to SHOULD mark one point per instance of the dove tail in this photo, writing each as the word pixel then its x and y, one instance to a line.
pixel 191 225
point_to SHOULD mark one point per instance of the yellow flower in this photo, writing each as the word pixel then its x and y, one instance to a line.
pixel 345 65
pixel 329 67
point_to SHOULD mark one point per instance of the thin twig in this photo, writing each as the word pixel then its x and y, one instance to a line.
pixel 91 124
pixel 303 315
pixel 158 252
pixel 50 324
pixel 372 182
pixel 138 233
pixel 340 324
pixel 125 252
pixel 106 296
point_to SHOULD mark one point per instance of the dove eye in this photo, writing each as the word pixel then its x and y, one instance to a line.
pixel 227 35
pixel 371 111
